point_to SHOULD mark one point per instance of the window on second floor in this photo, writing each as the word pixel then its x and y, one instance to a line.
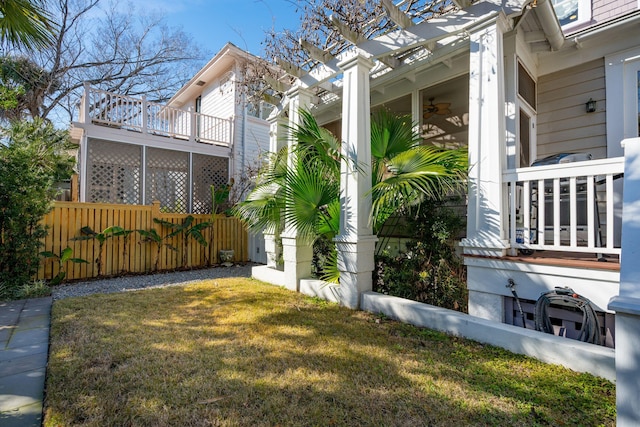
pixel 572 12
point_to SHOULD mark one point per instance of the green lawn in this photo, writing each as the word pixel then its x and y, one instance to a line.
pixel 237 352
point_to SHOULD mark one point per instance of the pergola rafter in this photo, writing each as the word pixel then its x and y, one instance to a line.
pixel 430 41
pixel 396 15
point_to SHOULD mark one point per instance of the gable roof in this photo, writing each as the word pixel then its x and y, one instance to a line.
pixel 219 64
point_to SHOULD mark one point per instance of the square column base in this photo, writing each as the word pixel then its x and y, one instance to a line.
pixel 273 250
pixel 297 255
pixel 627 359
pixel 485 247
pixel 356 264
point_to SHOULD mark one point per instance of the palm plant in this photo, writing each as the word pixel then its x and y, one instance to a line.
pixel 26 23
pixel 405 173
pixel 306 192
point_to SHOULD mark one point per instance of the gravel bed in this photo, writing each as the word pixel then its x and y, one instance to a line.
pixel 160 280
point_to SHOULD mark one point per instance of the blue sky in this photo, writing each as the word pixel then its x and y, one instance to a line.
pixel 212 23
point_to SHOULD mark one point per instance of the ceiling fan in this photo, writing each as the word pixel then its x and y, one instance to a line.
pixel 441 108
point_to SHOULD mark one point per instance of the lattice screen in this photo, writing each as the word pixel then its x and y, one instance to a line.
pixel 113 171
pixel 207 171
pixel 167 179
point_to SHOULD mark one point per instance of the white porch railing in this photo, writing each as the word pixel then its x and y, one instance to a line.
pixel 564 207
pixel 139 115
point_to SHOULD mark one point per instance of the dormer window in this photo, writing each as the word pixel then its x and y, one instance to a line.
pixel 572 13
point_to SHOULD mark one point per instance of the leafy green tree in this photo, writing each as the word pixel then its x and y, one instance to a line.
pixel 26 24
pixel 23 85
pixel 306 193
pixel 33 157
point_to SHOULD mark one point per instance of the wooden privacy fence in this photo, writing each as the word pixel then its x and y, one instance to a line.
pixel 131 254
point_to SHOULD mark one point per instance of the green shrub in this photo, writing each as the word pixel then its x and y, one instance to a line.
pixel 33 156
pixel 35 289
pixel 429 270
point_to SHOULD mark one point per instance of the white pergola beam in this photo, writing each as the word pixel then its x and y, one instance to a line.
pixel 390 61
pixel 270 99
pixel 276 85
pixel 346 32
pixel 429 31
pixel 462 3
pixel 394 13
pixel 315 52
pixel 289 68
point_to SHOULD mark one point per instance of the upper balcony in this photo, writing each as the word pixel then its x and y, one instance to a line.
pixel 113 110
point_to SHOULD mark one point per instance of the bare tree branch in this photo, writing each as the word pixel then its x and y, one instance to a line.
pixel 129 53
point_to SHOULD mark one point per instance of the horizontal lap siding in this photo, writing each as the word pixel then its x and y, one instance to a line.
pixel 563 124
pixel 605 10
pixel 129 254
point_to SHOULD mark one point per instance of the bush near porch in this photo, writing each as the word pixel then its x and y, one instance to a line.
pixel 428 270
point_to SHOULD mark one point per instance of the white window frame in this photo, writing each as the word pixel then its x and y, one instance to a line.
pixel 529 110
pixel 584 14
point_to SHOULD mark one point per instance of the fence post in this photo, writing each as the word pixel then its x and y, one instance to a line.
pixel 84 108
pixel 74 187
pixel 192 125
pixel 145 118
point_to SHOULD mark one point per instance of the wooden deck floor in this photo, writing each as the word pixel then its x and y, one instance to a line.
pixel 565 259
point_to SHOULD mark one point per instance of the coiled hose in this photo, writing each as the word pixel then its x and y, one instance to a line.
pixel 590 331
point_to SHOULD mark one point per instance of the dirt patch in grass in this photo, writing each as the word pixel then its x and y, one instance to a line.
pixel 236 352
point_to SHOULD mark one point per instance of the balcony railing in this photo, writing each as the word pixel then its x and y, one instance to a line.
pixel 565 207
pixel 139 115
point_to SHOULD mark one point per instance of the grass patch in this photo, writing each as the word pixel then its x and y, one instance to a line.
pixel 236 352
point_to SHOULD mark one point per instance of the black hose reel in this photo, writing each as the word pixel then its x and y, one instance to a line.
pixel 564 297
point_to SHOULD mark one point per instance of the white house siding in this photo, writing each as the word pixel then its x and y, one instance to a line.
pixel 605 10
pixel 218 98
pixel 257 139
pixel 563 123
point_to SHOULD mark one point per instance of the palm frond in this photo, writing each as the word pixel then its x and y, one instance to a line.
pixel 26 23
pixel 261 210
pixel 411 175
pixel 309 189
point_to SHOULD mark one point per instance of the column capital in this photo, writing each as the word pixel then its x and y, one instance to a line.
pixel 299 91
pixel 500 20
pixel 357 59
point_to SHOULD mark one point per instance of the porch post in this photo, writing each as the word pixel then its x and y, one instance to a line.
pixel 487 211
pixel 356 242
pixel 296 252
pixel 627 303
pixel 272 247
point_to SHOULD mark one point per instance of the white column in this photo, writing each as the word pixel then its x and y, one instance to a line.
pixel 356 242
pixel 487 213
pixel 272 245
pixel 297 252
pixel 627 303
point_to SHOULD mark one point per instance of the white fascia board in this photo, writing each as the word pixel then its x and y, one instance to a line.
pixel 430 31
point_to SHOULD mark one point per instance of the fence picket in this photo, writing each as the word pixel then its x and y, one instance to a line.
pixel 67 218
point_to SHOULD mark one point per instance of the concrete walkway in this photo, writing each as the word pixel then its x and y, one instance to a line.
pixel 24 345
